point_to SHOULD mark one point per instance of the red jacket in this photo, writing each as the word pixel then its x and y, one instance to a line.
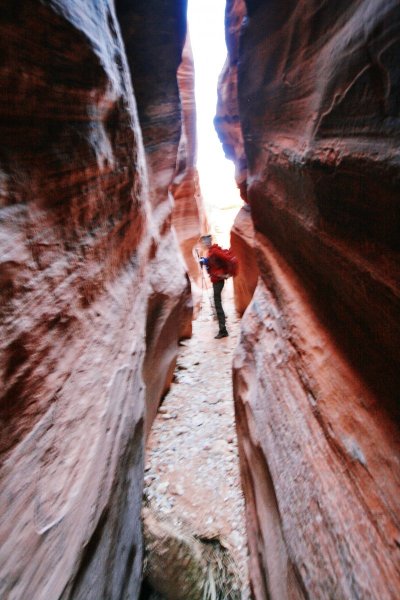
pixel 221 263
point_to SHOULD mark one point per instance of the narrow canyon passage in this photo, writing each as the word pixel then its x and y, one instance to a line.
pixel 102 199
pixel 192 472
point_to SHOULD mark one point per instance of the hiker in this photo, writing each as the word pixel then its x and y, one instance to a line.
pixel 220 265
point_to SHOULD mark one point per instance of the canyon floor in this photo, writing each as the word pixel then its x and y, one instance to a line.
pixel 192 467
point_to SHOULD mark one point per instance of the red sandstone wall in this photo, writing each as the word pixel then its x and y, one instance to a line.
pixel 85 241
pixel 317 372
pixel 243 246
pixel 188 217
pixel 154 59
pixel 228 126
pixel 227 120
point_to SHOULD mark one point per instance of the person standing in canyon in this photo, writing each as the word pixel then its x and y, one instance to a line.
pixel 220 265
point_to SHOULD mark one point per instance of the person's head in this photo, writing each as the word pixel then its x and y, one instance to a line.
pixel 206 241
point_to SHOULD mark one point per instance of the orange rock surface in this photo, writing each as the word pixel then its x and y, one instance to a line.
pixel 188 217
pixel 243 246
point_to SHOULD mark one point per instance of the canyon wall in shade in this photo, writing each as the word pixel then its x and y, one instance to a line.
pixel 228 126
pixel 317 371
pixel 152 30
pixel 227 119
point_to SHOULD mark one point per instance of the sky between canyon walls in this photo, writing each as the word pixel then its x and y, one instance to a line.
pixel 222 199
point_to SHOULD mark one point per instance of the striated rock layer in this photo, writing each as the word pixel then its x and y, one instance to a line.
pixel 243 246
pixel 152 30
pixel 317 373
pixel 188 217
pixel 86 301
pixel 227 120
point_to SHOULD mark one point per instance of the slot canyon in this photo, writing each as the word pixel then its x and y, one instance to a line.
pixel 103 311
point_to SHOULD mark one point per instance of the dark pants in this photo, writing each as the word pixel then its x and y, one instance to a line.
pixel 218 287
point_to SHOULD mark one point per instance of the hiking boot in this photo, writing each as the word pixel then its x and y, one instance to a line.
pixel 221 334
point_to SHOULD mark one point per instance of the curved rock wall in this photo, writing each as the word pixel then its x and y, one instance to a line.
pixel 154 29
pixel 243 246
pixel 188 217
pixel 227 120
pixel 316 375
pixel 228 126
pixel 86 241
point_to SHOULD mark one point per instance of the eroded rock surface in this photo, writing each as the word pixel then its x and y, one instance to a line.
pixel 227 119
pixel 85 238
pixel 152 30
pixel 188 217
pixel 168 320
pixel 228 126
pixel 316 374
pixel 243 246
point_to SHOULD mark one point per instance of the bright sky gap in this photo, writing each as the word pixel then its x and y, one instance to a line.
pixel 206 27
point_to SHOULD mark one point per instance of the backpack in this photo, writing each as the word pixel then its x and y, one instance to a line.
pixel 225 259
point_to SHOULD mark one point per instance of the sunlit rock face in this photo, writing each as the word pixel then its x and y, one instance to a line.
pixel 154 34
pixel 243 246
pixel 316 374
pixel 227 120
pixel 188 217
pixel 85 243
